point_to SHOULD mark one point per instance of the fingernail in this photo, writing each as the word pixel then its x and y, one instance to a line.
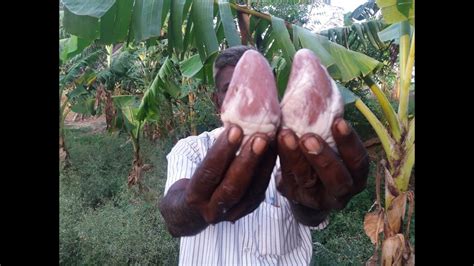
pixel 234 135
pixel 343 127
pixel 290 141
pixel 312 145
pixel 258 145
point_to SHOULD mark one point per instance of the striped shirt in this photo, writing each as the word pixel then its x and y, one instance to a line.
pixel 268 236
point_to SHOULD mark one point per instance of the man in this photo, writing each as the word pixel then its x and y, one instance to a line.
pixel 269 223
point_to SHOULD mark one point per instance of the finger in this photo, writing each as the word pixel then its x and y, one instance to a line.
pixel 263 173
pixel 209 174
pixel 237 178
pixel 331 170
pixel 256 192
pixel 352 152
pixel 295 171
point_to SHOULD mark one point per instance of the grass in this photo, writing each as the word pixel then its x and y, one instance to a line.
pixel 344 241
pixel 104 222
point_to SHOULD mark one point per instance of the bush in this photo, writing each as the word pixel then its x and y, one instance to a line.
pixel 155 178
pixel 100 165
pixel 207 117
pixel 70 210
pixel 101 220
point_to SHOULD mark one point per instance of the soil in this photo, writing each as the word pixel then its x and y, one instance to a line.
pixel 94 124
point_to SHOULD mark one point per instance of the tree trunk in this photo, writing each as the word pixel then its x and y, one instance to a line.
pixel 135 173
pixel 244 26
pixel 192 114
pixel 63 152
pixel 105 96
pixel 396 248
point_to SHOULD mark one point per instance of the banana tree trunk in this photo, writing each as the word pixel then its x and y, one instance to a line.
pixel 399 146
pixel 396 169
pixel 395 247
pixel 63 152
pixel 110 112
pixel 137 164
pixel 192 115
pixel 244 27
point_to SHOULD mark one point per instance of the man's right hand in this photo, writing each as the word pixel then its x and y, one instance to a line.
pixel 226 186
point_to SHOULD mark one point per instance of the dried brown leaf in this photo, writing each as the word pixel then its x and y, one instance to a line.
pixel 373 225
pixel 392 250
pixel 396 213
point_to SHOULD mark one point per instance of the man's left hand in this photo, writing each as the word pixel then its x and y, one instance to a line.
pixel 314 178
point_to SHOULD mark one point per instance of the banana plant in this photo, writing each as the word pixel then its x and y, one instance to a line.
pixel 206 27
pixel 136 112
pixel 74 78
pixel 398 142
pixel 88 78
pixel 365 11
pixel 128 108
pixel 358 34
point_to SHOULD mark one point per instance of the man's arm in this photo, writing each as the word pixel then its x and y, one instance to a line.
pixel 180 218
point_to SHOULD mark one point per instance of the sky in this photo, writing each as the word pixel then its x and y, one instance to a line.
pixel 348 5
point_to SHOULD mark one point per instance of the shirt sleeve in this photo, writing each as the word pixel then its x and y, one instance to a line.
pixel 182 162
pixel 320 226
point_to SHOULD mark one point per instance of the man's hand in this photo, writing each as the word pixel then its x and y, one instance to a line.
pixel 226 186
pixel 314 178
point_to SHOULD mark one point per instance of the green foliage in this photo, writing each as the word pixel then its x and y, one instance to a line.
pixel 206 114
pixel 201 34
pixel 89 59
pixel 385 76
pixel 231 34
pixel 397 10
pixel 176 122
pixel 162 88
pixel 298 14
pixel 63 34
pixel 71 46
pixel 97 176
pixel 102 222
pixel 357 120
pixel 70 209
pixel 344 241
pixel 365 11
pixel 148 70
pixel 347 19
pixel 132 67
pixel 123 233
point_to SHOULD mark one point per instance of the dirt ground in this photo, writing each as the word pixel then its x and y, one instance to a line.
pixel 94 123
